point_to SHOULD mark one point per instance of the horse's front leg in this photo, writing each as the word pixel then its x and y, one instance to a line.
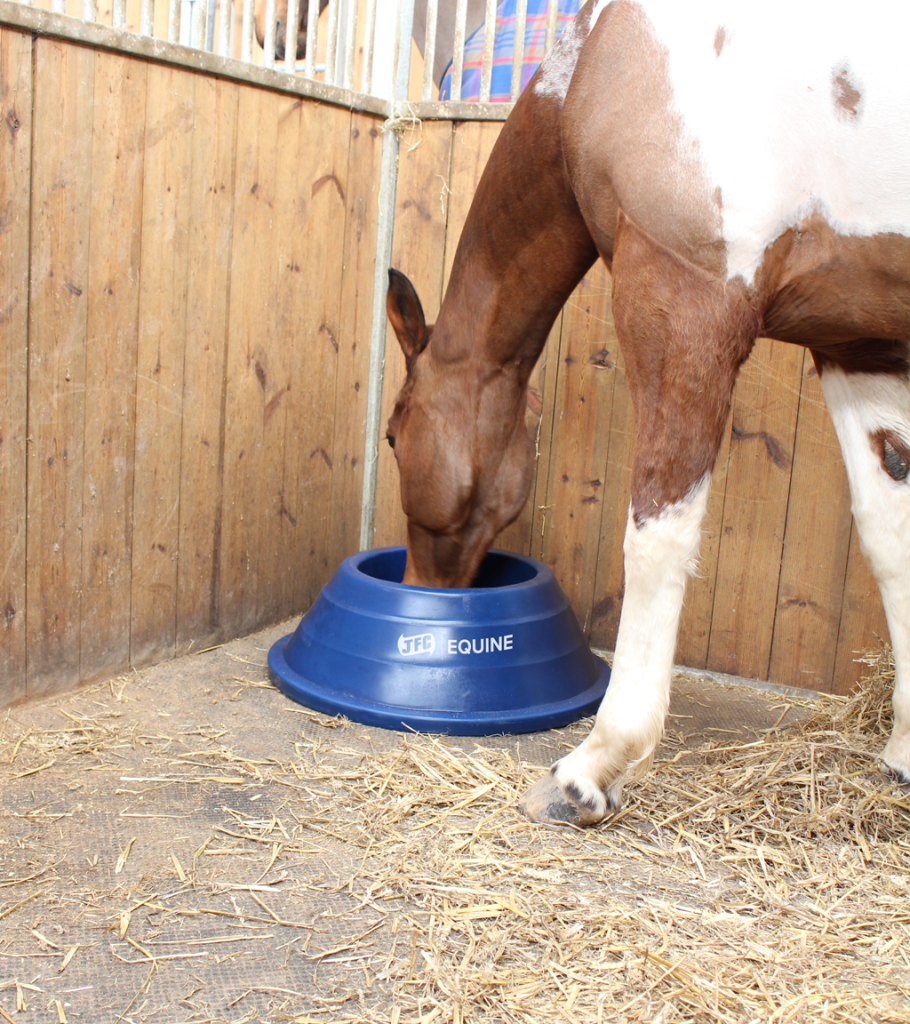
pixel 683 336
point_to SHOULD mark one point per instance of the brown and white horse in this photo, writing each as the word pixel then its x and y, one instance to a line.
pixel 743 169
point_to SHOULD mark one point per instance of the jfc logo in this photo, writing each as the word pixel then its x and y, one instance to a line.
pixel 423 644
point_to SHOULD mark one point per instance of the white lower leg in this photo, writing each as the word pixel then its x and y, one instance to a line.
pixel 863 406
pixel 659 555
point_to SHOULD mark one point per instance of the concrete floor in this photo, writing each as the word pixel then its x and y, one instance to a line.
pixel 159 861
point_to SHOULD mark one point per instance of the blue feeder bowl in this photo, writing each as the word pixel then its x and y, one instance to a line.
pixel 505 655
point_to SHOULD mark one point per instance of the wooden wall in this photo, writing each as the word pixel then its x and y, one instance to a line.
pixel 186 272
pixel 186 268
pixel 783 593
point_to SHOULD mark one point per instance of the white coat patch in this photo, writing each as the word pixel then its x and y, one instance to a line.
pixel 795 109
pixel 805 110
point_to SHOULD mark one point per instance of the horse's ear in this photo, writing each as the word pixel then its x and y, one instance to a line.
pixel 406 316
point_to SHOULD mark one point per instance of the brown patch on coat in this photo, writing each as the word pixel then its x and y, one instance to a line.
pixel 893 452
pixel 847 96
pixel 865 355
pixel 845 297
pixel 684 335
pixel 720 37
pixel 627 146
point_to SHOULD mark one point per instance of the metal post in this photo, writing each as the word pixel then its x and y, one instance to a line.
pixel 331 45
pixel 173 20
pixel 350 44
pixel 461 12
pixel 312 26
pixel 388 179
pixel 369 32
pixel 268 43
pixel 552 15
pixel 147 18
pixel 518 50
pixel 290 36
pixel 225 23
pixel 429 51
pixel 489 38
pixel 246 32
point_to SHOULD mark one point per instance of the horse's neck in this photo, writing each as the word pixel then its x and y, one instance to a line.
pixel 524 246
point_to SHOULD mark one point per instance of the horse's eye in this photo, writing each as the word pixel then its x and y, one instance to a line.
pixel 391 440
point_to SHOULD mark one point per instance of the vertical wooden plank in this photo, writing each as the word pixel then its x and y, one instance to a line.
pixel 695 621
pixel 208 291
pixel 765 405
pixel 816 544
pixel 58 303
pixel 15 169
pixel 862 620
pixel 609 580
pixel 111 347
pixel 581 437
pixel 354 336
pixel 418 250
pixel 311 260
pixel 279 365
pixel 252 486
pixel 159 383
pixel 472 143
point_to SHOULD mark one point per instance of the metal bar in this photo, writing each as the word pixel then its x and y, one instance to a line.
pixel 173 20
pixel 246 32
pixel 489 38
pixel 518 50
pixel 331 45
pixel 147 18
pixel 210 26
pixel 312 36
pixel 199 8
pixel 59 7
pixel 429 51
pixel 225 23
pixel 405 31
pixel 290 36
pixel 89 10
pixel 552 15
pixel 351 45
pixel 461 11
pixel 388 180
pixel 369 32
pixel 119 19
pixel 268 45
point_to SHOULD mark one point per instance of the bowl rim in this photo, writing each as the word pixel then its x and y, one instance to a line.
pixel 543 574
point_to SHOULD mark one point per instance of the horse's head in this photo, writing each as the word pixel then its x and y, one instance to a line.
pixel 281 14
pixel 461 443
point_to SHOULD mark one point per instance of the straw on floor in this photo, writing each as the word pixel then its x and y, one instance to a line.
pixel 765 881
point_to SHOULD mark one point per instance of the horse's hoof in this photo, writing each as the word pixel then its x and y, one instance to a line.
pixel 898 775
pixel 547 803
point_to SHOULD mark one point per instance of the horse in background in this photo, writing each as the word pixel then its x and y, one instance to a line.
pixel 445 28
